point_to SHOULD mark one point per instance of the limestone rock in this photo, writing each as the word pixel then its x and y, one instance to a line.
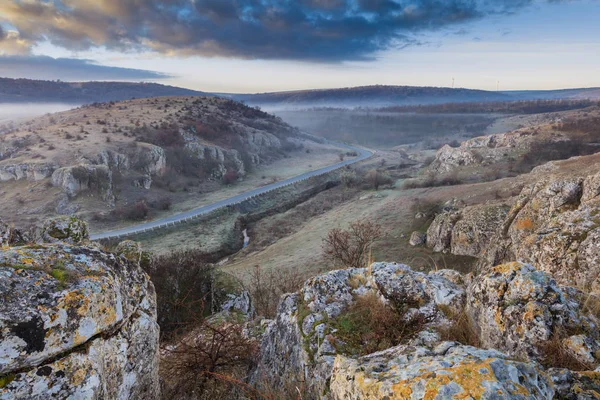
pixel 571 385
pixel 448 158
pixel 301 344
pixel 10 236
pixel 439 234
pixel 76 322
pixel 65 229
pixel 476 227
pixel 418 238
pixel 76 179
pixel 445 372
pixel 517 308
pixel 32 171
pixel 553 225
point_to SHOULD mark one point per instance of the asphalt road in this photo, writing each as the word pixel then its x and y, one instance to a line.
pixel 363 154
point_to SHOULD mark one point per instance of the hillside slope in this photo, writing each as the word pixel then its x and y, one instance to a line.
pixel 368 96
pixel 126 160
pixel 37 91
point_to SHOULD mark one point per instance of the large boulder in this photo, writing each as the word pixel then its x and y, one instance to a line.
pixel 10 236
pixel 76 322
pixel 301 344
pixel 65 229
pixel 448 371
pixel 439 233
pixel 82 178
pixel 476 227
pixel 448 158
pixel 518 309
pixel 554 224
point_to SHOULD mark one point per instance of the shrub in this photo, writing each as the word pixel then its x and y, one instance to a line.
pixel 461 329
pixel 266 288
pixel 230 177
pixel 351 247
pixel 184 281
pixel 133 212
pixel 376 178
pixel 556 355
pixel 369 325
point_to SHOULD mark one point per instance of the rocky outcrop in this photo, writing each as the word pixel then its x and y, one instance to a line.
pixel 439 233
pixel 30 171
pixel 76 322
pixel 83 178
pixel 10 236
pixel 448 158
pixel 473 232
pixel 467 232
pixel 65 229
pixel 553 224
pixel 517 308
pixel 418 239
pixel 300 345
pixel 448 371
pixel 144 157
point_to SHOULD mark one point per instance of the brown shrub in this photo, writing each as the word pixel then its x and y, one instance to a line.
pixel 266 288
pixel 461 329
pixel 351 247
pixel 369 325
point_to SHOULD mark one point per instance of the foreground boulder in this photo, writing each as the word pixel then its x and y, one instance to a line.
pixel 76 322
pixel 554 225
pixel 302 343
pixel 518 309
pixel 449 371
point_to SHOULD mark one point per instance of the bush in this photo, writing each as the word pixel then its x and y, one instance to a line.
pixel 184 281
pixel 351 247
pixel 230 177
pixel 369 325
pixel 376 178
pixel 266 288
pixel 134 212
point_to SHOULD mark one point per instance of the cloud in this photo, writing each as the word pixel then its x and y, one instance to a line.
pixel 313 30
pixel 41 67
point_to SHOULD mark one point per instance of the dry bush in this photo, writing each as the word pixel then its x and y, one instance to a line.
pixel 376 179
pixel 201 363
pixel 461 329
pixel 185 289
pixel 266 288
pixel 351 247
pixel 369 325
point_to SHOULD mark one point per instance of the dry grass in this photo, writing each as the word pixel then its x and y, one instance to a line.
pixel 461 328
pixel 556 355
pixel 369 325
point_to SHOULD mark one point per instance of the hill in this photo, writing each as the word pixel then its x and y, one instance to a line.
pixel 37 91
pixel 135 159
pixel 368 96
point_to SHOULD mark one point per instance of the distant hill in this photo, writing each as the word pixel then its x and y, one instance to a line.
pixel 577 94
pixel 36 91
pixel 369 96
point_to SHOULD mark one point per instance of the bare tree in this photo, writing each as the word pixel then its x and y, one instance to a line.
pixel 351 247
pixel 377 178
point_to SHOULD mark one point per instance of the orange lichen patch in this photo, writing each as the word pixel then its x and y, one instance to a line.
pixel 468 375
pixel 369 388
pixel 75 299
pixel 499 319
pixel 78 377
pixel 524 224
pixel 27 261
pixel 532 310
pixel 507 268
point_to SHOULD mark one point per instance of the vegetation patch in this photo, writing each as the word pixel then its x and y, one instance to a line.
pixel 369 325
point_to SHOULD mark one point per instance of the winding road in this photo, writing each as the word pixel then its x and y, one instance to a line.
pixel 175 219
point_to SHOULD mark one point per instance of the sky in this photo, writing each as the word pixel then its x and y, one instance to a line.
pixel 246 46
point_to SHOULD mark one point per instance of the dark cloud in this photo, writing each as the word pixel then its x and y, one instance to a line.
pixel 39 67
pixel 317 30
